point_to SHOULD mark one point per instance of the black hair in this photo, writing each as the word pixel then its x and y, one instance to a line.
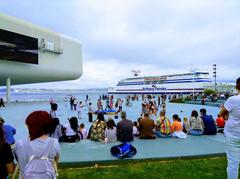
pixel 135 123
pixel 74 123
pixel 82 125
pixel 55 122
pixel 54 106
pixel 111 124
pixel 203 111
pixel 139 119
pixel 2 138
pixel 238 84
pixel 100 117
pixel 194 114
pixel 175 117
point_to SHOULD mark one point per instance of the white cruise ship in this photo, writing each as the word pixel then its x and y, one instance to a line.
pixel 185 83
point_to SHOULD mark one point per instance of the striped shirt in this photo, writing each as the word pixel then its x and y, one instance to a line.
pixel 164 126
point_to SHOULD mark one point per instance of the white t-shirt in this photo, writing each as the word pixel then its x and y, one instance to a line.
pixel 69 131
pixel 135 130
pixel 111 135
pixel 232 127
pixel 80 108
pixel 84 133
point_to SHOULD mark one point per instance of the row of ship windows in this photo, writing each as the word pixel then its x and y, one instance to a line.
pixel 158 82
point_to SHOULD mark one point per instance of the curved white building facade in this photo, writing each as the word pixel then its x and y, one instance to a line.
pixel 50 56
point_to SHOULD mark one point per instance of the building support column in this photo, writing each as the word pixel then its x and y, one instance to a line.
pixel 8 90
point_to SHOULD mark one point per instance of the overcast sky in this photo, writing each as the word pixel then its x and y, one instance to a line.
pixel 154 36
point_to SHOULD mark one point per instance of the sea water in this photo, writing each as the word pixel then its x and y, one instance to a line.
pixel 23 104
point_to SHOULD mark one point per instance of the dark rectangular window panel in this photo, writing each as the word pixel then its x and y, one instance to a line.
pixel 18 48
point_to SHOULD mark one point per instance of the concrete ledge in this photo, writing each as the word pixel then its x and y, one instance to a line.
pixel 89 153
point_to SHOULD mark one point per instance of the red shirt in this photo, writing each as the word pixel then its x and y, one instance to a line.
pixel 220 122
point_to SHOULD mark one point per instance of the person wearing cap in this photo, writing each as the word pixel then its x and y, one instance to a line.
pixel 9 132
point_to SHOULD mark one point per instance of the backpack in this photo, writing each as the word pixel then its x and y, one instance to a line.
pixel 39 167
pixel 124 150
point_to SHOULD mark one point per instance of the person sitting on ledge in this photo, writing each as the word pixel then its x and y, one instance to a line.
pixel 124 129
pixel 146 127
pixel 97 132
pixel 56 129
pixel 71 132
pixel 209 123
pixel 220 122
pixel 135 129
pixel 186 125
pixel 83 131
pixel 196 124
pixel 163 126
pixel 111 131
pixel 177 128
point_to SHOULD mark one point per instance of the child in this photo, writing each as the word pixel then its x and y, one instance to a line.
pixel 83 131
pixel 186 125
pixel 79 110
pixel 220 122
pixel 111 131
pixel 177 128
pixel 135 128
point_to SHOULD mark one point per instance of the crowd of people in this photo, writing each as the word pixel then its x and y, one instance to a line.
pixel 46 132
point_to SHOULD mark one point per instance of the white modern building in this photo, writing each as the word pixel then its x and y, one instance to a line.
pixel 31 54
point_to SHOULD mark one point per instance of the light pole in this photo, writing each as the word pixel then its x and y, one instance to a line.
pixel 215 76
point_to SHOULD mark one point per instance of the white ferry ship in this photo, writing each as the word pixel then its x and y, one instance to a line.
pixel 185 83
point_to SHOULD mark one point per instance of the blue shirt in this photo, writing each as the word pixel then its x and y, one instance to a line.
pixel 9 132
pixel 209 125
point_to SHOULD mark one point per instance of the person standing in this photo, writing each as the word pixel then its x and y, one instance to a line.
pixel 120 102
pixel 9 132
pixel 2 102
pixel 231 112
pixel 159 102
pixel 75 104
pixel 53 110
pixel 80 109
pixel 39 145
pixel 71 102
pixel 65 101
pixel 90 112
